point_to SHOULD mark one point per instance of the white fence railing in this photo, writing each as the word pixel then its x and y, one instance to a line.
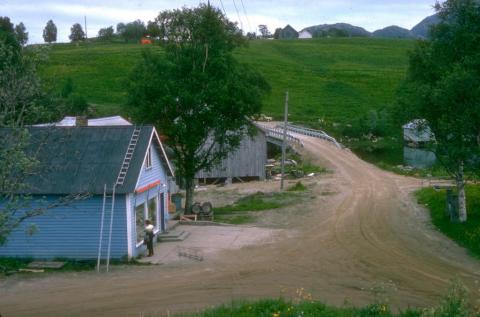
pixel 311 132
pixel 277 133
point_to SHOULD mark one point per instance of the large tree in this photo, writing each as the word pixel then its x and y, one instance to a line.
pixel 443 87
pixel 106 34
pixel 134 31
pixel 76 33
pixel 197 94
pixel 21 33
pixel 50 32
pixel 22 102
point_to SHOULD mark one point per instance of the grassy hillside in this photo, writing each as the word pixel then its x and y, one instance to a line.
pixel 335 79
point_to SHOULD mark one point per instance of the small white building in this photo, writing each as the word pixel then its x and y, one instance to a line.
pixel 417 132
pixel 304 34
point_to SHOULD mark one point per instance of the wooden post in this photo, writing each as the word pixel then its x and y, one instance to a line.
pixel 284 145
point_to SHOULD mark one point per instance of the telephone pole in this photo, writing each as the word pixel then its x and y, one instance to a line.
pixel 85 22
pixel 284 143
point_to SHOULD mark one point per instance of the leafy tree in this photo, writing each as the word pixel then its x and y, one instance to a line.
pixel 7 34
pixel 106 34
pixel 251 35
pixel 21 33
pixel 50 32
pixel 198 95
pixel 21 100
pixel 120 28
pixel 443 87
pixel 134 31
pixel 76 33
pixel 277 33
pixel 153 29
pixel 263 29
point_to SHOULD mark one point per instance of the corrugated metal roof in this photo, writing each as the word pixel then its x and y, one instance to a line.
pixel 105 121
pixel 83 159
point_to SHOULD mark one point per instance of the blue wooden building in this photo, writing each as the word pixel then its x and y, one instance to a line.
pixel 86 160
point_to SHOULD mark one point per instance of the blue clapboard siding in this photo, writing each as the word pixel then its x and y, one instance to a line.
pixel 138 199
pixel 71 232
pixel 153 174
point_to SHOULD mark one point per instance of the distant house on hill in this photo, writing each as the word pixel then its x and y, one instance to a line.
pixel 304 34
pixel 84 160
pixel 287 32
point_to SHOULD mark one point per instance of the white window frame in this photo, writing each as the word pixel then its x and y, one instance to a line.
pixel 148 159
pixel 157 214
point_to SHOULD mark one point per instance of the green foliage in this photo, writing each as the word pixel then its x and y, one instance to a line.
pixel 106 34
pixel 298 187
pixel 50 32
pixel 206 116
pixel 133 31
pixel 453 305
pixel 242 210
pixel 67 88
pixel 338 80
pixel 76 33
pixel 442 85
pixel 21 33
pixel 465 234
pixel 375 123
pixel 22 102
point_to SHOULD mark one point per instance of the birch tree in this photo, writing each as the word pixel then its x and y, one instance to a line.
pixel 443 87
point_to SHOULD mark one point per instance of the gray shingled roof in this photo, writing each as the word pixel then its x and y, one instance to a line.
pixel 83 159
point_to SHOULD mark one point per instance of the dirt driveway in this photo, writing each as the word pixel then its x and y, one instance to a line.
pixel 369 239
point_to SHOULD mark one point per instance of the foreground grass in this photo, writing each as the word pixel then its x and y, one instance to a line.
pixel 242 211
pixel 465 234
pixel 454 304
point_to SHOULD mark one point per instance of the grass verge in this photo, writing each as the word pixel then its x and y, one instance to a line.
pixel 9 266
pixel 455 303
pixel 242 211
pixel 465 234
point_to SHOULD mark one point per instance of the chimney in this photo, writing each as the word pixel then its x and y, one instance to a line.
pixel 81 121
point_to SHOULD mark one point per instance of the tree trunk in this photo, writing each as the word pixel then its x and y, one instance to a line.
pixel 462 199
pixel 189 189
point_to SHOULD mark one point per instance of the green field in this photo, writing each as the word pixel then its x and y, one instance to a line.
pixel 465 234
pixel 333 79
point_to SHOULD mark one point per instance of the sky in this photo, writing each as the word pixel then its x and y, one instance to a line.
pixel 371 15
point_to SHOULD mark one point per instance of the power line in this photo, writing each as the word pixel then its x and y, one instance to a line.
pixel 246 16
pixel 238 14
pixel 223 8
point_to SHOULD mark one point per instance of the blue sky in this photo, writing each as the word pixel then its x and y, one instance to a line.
pixel 371 15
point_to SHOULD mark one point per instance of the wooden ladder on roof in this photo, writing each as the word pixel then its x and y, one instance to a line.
pixel 119 181
pixel 128 156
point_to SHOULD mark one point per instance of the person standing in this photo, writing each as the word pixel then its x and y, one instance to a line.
pixel 149 236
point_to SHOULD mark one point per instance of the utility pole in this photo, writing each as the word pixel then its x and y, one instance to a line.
pixel 85 20
pixel 284 143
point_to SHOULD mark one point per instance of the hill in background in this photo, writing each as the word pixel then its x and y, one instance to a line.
pixel 348 29
pixel 393 32
pixel 421 29
pixel 336 79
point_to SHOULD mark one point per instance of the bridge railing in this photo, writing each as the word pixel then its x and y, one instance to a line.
pixel 311 132
pixel 277 133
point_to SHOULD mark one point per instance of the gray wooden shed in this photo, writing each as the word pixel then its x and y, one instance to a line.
pixel 246 163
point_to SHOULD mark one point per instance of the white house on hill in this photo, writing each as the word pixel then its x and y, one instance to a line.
pixel 304 34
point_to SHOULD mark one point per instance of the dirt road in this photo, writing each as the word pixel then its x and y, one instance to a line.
pixel 368 240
